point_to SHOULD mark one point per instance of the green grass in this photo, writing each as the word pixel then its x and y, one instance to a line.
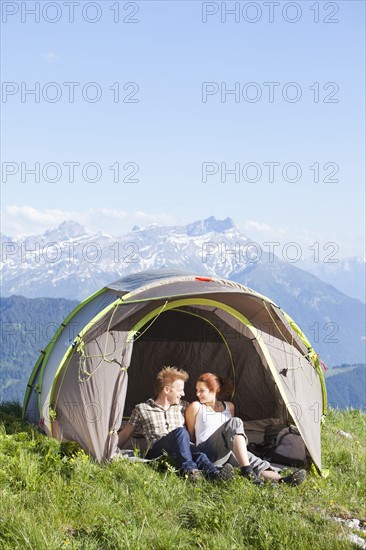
pixel 53 496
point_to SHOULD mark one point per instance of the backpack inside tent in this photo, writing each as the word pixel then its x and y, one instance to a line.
pixel 105 356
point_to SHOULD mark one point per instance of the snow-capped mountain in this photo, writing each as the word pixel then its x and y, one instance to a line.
pixel 70 263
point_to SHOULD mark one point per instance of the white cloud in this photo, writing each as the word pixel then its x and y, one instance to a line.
pixel 264 228
pixel 259 226
pixel 304 241
pixel 26 220
pixel 49 57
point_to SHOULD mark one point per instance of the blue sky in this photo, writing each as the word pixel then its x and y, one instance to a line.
pixel 164 137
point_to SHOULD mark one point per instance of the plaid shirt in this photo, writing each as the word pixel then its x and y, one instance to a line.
pixel 155 422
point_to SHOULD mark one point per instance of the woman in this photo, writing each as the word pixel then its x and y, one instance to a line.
pixel 215 431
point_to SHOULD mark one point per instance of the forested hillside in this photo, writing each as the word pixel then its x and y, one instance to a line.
pixel 26 328
pixel 346 386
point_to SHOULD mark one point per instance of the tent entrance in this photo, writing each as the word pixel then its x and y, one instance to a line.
pixel 196 339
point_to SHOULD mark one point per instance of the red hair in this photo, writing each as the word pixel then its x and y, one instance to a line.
pixel 215 383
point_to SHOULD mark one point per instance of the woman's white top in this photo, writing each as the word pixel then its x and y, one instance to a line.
pixel 208 421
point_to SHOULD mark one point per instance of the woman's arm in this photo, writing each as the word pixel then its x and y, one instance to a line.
pixel 191 414
pixel 125 434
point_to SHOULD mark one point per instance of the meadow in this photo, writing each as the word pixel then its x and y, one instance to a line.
pixel 54 496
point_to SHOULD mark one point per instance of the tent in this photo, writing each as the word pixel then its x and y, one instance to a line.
pixel 104 358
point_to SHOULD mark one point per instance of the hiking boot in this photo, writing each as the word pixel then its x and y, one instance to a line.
pixel 250 475
pixel 226 473
pixel 294 479
pixel 193 475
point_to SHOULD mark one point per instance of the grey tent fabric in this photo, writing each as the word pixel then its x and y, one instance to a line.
pixel 55 351
pixel 86 386
pixel 140 280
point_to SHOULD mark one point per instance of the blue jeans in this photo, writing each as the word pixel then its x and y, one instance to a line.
pixel 177 445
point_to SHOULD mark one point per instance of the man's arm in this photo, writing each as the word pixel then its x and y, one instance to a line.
pixel 125 434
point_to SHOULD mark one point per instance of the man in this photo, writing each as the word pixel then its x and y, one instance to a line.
pixel 161 420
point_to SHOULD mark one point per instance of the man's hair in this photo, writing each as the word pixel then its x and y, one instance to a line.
pixel 167 376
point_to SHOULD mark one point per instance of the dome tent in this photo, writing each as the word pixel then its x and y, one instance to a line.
pixel 105 356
